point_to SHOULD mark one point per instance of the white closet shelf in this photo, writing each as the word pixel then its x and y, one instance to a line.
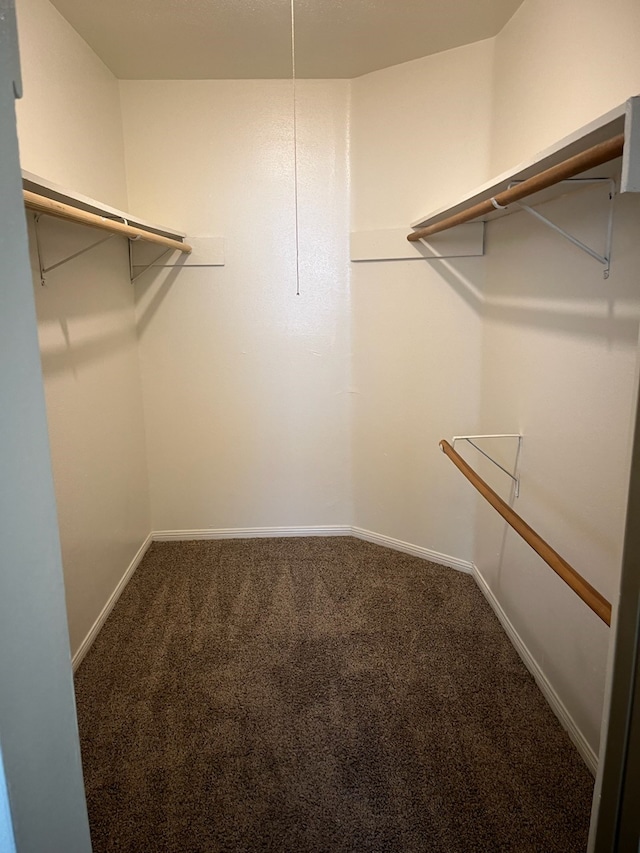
pixel 45 197
pixel 624 120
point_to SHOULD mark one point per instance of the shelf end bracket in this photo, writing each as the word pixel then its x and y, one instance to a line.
pixel 470 439
pixel 604 259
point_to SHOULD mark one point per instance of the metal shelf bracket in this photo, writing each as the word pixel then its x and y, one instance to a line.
pixel 44 270
pixel 143 270
pixel 470 439
pixel 605 259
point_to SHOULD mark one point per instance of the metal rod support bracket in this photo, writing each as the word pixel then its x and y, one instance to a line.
pixel 43 269
pixel 43 280
pixel 604 259
pixel 145 268
pixel 470 439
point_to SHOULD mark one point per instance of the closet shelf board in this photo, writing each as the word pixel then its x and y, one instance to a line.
pixel 624 119
pixel 117 220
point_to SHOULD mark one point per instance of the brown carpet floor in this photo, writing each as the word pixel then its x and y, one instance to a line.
pixel 312 695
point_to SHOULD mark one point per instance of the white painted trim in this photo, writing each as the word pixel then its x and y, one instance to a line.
pixel 47 188
pixel 557 705
pixel 250 533
pixel 86 644
pixel 599 130
pixel 340 530
pixel 415 550
pixel 256 533
pixel 391 244
pixel 205 252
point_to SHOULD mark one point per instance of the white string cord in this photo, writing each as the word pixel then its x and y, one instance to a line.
pixel 295 146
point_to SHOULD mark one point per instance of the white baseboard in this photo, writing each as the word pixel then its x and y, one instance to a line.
pixel 414 550
pixel 86 644
pixel 249 533
pixel 340 530
pixel 557 706
pixel 255 533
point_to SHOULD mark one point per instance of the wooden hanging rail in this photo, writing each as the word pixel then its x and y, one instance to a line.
pixel 569 575
pixel 42 204
pixel 589 159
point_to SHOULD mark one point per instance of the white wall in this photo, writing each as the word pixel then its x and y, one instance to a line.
pixel 410 119
pixel 246 385
pixel 558 65
pixel 559 365
pixel 69 123
pixel 560 345
pixel 70 132
pixel 420 135
pixel 88 345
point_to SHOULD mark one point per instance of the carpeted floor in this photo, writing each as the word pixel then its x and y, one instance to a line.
pixel 317 695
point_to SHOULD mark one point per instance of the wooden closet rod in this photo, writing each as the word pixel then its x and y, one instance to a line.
pixel 569 575
pixel 569 168
pixel 42 204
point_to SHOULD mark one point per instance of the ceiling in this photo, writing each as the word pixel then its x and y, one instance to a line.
pixel 248 39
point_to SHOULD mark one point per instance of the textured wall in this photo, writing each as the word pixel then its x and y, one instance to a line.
pixel 420 135
pixel 88 343
pixel 70 132
pixel 560 344
pixel 557 67
pixel 559 365
pixel 246 385
pixel 69 124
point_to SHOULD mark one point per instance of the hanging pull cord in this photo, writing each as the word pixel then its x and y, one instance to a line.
pixel 295 147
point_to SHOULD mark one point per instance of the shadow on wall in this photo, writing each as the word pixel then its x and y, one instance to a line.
pixel 154 302
pixel 579 323
pixel 590 317
pixel 82 298
pixel 535 278
pixel 460 280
